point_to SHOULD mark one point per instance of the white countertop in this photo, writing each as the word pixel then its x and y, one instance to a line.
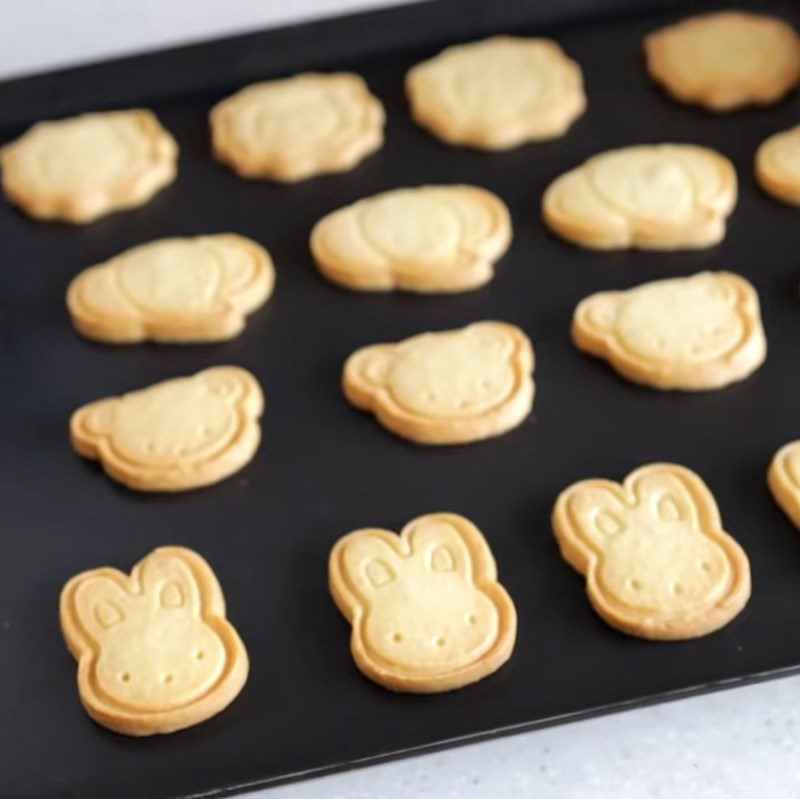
pixel 735 744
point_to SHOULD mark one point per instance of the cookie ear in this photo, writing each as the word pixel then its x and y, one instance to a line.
pixel 365 562
pixel 95 420
pixel 170 581
pixel 370 366
pixel 96 604
pixel 491 337
pixel 597 313
pixel 667 497
pixel 593 513
pixel 442 547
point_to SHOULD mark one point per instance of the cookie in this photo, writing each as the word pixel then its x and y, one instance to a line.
pixel 176 435
pixel 292 129
pixel 657 562
pixel 725 60
pixel 778 165
pixel 783 479
pixel 451 387
pixel 176 290
pixel 497 93
pixel 155 652
pixel 427 612
pixel 652 197
pixel 427 239
pixel 689 333
pixel 85 167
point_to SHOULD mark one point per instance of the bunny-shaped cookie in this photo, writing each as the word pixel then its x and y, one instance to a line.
pixel 652 197
pixel 657 562
pixel 427 612
pixel 173 290
pixel 155 652
pixel 179 434
pixel 690 333
pixel 427 239
pixel 451 387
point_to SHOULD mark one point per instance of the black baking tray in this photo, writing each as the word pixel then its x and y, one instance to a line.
pixel 324 468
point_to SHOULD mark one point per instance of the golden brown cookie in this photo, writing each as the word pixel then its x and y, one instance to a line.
pixel 778 165
pixel 427 239
pixel 725 60
pixel 783 479
pixel 296 128
pixel 689 333
pixel 651 197
pixel 155 652
pixel 497 93
pixel 452 387
pixel 657 562
pixel 85 167
pixel 427 612
pixel 176 435
pixel 173 290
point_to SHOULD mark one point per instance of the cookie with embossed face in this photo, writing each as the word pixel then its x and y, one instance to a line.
pixel 84 167
pixel 173 290
pixel 689 333
pixel 656 560
pixel 725 60
pixel 176 435
pixel 427 239
pixel 292 129
pixel 498 93
pixel 155 652
pixel 426 609
pixel 783 479
pixel 652 197
pixel 451 387
pixel 778 165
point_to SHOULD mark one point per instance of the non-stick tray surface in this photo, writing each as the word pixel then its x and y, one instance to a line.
pixel 324 468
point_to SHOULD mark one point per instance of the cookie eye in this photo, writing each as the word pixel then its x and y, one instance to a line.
pixel 440 642
pixel 705 566
pixel 125 676
pixel 199 654
pixel 397 638
pixel 472 620
pixel 634 584
pixel 677 588
pixel 166 679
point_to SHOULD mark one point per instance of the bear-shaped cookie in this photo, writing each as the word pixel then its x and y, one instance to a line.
pixel 175 435
pixel 783 479
pixel 651 197
pixel 426 609
pixel 79 169
pixel 449 387
pixel 690 333
pixel 295 128
pixel 657 562
pixel 155 652
pixel 425 239
pixel 172 290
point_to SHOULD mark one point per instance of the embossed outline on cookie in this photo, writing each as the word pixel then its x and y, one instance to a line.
pixel 706 229
pixel 769 174
pixel 216 466
pixel 362 138
pixel 502 417
pixel 586 558
pixel 473 268
pixel 784 482
pixel 739 362
pixel 116 715
pixel 136 324
pixel 666 72
pixel 151 176
pixel 484 578
pixel 435 116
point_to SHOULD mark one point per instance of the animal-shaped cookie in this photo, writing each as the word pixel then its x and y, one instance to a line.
pixel 690 333
pixel 155 652
pixel 778 165
pixel 451 387
pixel 84 167
pixel 657 562
pixel 725 60
pixel 179 434
pixel 173 290
pixel 497 93
pixel 295 128
pixel 652 197
pixel 783 479
pixel 428 239
pixel 427 611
